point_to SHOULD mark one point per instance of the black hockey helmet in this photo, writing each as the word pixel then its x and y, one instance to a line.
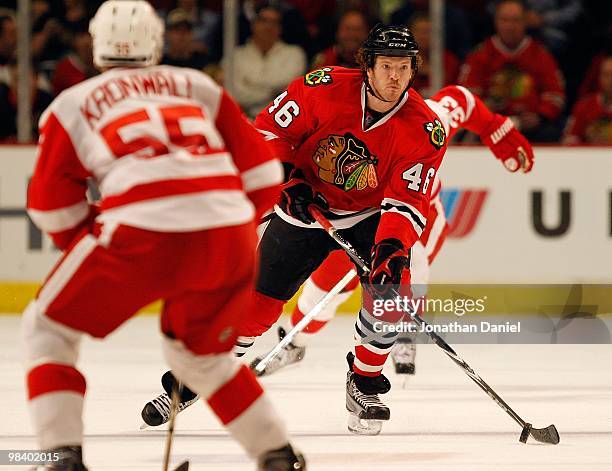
pixel 392 40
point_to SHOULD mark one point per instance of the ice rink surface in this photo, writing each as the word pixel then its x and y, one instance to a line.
pixel 440 421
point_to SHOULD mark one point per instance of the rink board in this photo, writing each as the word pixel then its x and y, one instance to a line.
pixel 553 225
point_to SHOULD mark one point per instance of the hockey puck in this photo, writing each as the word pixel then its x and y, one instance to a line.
pixel 525 433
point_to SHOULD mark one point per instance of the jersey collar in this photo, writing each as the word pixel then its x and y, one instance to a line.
pixel 386 117
pixel 501 47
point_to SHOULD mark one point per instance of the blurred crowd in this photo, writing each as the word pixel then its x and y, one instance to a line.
pixel 546 63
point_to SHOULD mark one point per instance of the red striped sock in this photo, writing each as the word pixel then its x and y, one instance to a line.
pixel 54 377
pixel 236 396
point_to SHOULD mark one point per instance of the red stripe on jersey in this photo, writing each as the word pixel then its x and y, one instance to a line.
pixel 394 225
pixel 236 396
pixel 161 189
pixel 53 377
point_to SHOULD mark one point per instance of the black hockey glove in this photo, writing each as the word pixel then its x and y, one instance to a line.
pixel 388 260
pixel 297 195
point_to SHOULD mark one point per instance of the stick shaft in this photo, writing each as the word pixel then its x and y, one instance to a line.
pixel 173 411
pixel 439 341
pixel 301 325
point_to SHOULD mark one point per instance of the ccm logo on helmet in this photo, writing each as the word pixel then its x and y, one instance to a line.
pixel 397 44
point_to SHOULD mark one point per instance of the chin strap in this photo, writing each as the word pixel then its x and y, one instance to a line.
pixel 374 93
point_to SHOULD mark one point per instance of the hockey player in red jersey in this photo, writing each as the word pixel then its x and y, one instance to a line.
pixel 182 176
pixel 304 248
pixel 365 148
pixel 457 108
pixel 346 153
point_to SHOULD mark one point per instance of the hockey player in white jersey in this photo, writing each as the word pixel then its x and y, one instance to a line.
pixel 183 176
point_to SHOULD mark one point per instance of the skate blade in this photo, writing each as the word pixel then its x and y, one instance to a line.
pixel 144 426
pixel 364 426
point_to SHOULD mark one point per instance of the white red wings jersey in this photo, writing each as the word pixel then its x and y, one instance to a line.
pixel 169 149
pixel 318 125
pixel 458 108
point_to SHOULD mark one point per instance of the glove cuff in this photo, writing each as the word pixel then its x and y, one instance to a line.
pixel 395 243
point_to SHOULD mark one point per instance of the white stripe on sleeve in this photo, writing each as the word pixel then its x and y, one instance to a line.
pixel 58 220
pixel 267 174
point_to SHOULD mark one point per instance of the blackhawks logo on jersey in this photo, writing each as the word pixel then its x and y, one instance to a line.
pixel 346 162
pixel 318 77
pixel 437 135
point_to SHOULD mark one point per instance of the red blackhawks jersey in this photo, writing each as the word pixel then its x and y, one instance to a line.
pixel 318 125
pixel 590 122
pixel 526 79
pixel 169 150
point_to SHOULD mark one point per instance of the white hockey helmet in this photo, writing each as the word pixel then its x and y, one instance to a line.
pixel 126 33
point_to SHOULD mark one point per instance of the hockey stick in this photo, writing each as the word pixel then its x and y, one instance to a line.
pixel 301 325
pixel 176 393
pixel 545 435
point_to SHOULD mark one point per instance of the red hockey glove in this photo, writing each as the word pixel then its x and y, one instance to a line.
pixel 508 144
pixel 388 260
pixel 297 195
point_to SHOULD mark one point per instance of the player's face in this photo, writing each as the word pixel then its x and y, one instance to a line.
pixel 390 76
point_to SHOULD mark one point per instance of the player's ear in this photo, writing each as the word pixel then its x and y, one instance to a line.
pixel 370 72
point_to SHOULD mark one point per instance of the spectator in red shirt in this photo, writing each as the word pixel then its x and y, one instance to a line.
pixel 517 76
pixel 591 119
pixel 352 31
pixel 77 65
pixel 420 24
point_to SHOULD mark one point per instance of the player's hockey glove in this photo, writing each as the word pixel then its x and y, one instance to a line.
pixel 389 259
pixel 508 144
pixel 297 195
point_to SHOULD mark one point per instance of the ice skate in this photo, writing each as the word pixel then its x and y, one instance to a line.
pixel 69 458
pixel 403 355
pixel 157 411
pixel 283 459
pixel 287 356
pixel 366 411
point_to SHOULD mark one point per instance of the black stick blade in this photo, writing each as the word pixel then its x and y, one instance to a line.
pixel 545 435
pixel 525 433
pixel 183 466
